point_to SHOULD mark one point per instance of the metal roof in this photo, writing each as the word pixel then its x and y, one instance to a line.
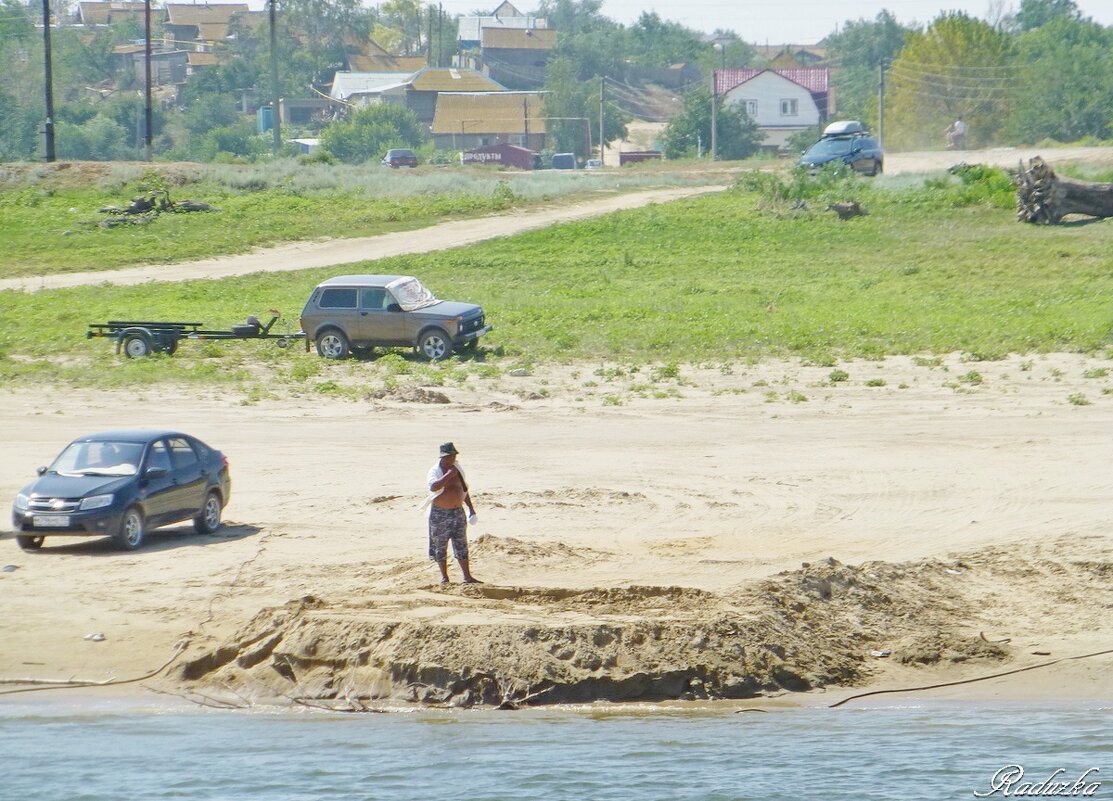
pixel 346 84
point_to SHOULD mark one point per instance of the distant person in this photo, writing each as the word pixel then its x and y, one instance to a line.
pixel 956 135
pixel 447 521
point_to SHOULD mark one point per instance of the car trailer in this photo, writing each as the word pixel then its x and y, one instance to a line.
pixel 139 338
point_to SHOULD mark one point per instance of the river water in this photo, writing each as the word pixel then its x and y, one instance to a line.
pixel 108 751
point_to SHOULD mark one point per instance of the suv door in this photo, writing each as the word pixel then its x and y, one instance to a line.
pixel 377 325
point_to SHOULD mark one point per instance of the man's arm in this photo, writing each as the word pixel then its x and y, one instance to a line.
pixel 437 484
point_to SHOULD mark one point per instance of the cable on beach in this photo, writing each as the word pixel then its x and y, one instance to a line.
pixel 970 681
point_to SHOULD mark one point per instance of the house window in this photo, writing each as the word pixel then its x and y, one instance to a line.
pixel 751 108
pixel 790 107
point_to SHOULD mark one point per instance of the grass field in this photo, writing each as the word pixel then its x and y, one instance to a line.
pixel 936 267
pixel 50 220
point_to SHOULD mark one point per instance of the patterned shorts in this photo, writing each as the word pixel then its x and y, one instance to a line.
pixel 445 525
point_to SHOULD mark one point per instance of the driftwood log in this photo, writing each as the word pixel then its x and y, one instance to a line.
pixel 1045 198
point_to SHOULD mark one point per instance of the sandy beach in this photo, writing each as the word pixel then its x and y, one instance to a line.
pixel 758 531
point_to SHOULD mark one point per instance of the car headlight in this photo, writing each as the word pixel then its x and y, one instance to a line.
pixel 96 502
pixel 21 501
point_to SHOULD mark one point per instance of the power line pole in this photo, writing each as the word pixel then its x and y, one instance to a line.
pixel 714 120
pixel 48 126
pixel 147 75
pixel 275 123
pixel 881 103
pixel 602 138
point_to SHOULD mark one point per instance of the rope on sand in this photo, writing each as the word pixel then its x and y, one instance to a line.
pixel 971 681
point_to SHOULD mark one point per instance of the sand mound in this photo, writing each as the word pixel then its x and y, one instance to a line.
pixel 825 624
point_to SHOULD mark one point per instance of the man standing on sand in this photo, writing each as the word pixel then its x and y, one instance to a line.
pixel 446 514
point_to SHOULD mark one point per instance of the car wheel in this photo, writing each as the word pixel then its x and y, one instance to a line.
pixel 130 535
pixel 209 520
pixel 136 346
pixel 29 543
pixel 434 345
pixel 332 344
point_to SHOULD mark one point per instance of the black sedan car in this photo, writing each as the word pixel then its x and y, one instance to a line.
pixel 849 143
pixel 122 483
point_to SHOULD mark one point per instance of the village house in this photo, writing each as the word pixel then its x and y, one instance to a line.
pixel 469 120
pixel 780 101
pixel 203 24
pixel 418 91
pixel 505 17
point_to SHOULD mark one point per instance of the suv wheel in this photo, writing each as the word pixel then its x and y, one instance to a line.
pixel 332 344
pixel 434 345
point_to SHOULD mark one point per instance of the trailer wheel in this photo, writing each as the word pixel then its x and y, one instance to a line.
pixel 171 347
pixel 136 346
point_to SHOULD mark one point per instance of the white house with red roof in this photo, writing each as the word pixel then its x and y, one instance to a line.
pixel 781 101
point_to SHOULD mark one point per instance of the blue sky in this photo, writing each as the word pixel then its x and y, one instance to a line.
pixel 790 21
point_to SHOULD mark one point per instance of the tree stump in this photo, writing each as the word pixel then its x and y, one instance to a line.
pixel 1044 198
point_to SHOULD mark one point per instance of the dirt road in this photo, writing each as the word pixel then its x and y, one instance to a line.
pixel 304 255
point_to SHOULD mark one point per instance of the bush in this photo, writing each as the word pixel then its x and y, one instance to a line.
pixel 371 131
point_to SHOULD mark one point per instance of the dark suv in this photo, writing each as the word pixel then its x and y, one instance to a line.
pixel 848 142
pixel 359 312
pixel 400 157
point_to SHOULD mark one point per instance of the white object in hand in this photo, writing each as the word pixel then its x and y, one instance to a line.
pixel 473 520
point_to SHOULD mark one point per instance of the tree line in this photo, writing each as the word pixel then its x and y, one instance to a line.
pixel 1043 73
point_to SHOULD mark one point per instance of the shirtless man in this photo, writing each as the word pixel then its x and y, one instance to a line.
pixel 446 514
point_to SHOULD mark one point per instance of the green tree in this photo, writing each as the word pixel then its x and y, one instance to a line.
pixel 959 68
pixel 859 50
pixel 572 110
pixel 655 42
pixel 689 132
pixel 1067 81
pixel 595 44
pixel 1036 13
pixel 371 131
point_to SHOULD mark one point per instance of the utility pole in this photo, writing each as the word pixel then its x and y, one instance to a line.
pixel 881 103
pixel 602 139
pixel 714 120
pixel 275 122
pixel 48 126
pixel 147 76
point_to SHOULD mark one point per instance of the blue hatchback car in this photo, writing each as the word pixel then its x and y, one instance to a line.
pixel 849 142
pixel 121 484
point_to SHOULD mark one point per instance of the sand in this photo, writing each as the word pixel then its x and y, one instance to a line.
pixel 724 542
pixel 738 532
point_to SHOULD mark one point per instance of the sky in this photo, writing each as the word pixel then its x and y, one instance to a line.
pixel 788 21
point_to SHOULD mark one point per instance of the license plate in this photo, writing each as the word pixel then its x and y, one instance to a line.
pixel 50 521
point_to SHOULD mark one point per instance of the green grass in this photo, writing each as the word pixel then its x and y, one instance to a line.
pixel 709 278
pixel 51 225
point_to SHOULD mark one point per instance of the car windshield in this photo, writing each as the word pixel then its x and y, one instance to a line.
pixel 830 147
pixel 99 459
pixel 411 294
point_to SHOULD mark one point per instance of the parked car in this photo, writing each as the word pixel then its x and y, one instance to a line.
pixel 564 161
pixel 846 141
pixel 365 311
pixel 121 484
pixel 399 157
